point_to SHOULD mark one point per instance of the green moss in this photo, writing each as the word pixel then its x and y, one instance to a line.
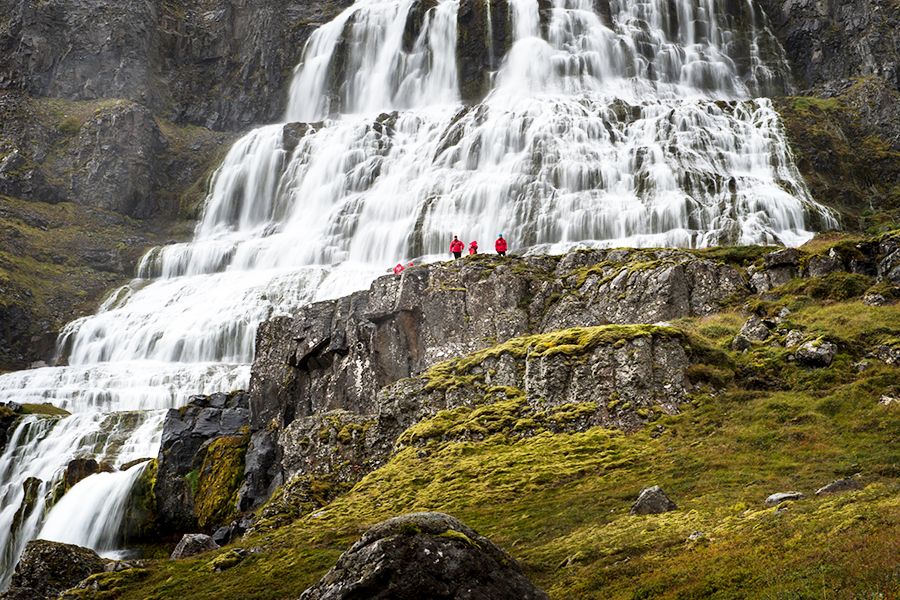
pixel 107 586
pixel 44 409
pixel 834 286
pixel 220 476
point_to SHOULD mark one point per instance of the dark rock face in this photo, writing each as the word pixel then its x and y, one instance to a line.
pixel 193 543
pixel 116 159
pixel 187 433
pixel 223 66
pixel 652 501
pixel 47 569
pixel 837 40
pixel 424 555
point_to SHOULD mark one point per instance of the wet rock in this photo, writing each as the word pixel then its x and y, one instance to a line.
pixel 838 486
pixel 47 569
pixel 186 432
pixel 754 330
pixel 776 499
pixel 816 353
pixel 80 468
pixel 652 501
pixel 424 555
pixel 192 544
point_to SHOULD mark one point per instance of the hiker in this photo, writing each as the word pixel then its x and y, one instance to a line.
pixel 473 248
pixel 500 245
pixel 456 247
pixel 398 269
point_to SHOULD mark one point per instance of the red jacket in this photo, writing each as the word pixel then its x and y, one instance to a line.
pixel 500 245
pixel 473 248
pixel 456 246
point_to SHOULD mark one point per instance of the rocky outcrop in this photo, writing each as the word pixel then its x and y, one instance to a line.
pixel 200 462
pixel 424 555
pixel 47 569
pixel 337 355
pixel 616 376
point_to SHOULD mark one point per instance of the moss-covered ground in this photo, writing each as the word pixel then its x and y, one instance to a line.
pixel 559 502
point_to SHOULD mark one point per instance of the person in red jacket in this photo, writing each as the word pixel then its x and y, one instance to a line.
pixel 456 247
pixel 473 248
pixel 500 245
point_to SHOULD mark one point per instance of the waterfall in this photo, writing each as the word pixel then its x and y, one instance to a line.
pixel 607 122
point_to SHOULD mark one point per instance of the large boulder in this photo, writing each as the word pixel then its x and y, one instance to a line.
pixel 188 434
pixel 652 501
pixel 192 544
pixel 47 569
pixel 424 555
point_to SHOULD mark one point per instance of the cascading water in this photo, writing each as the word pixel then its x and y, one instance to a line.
pixel 607 123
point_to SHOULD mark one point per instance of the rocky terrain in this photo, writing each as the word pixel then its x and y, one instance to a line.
pixel 548 424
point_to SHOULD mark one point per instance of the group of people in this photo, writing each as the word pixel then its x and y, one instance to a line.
pixel 457 246
pixel 456 249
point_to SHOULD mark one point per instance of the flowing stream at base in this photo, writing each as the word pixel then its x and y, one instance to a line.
pixel 640 125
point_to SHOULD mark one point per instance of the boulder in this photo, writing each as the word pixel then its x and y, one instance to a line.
pixel 794 338
pixel 47 569
pixel 79 468
pixel 841 485
pixel 652 501
pixel 776 499
pixel 424 555
pixel 816 353
pixel 193 543
pixel 754 330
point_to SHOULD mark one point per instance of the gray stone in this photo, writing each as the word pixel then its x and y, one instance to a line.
pixel 652 501
pixel 754 330
pixel 46 569
pixel 816 353
pixel 874 300
pixel 838 486
pixel 778 498
pixel 192 544
pixel 794 338
pixel 424 555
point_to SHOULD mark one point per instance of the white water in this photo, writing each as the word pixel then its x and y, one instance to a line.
pixel 638 131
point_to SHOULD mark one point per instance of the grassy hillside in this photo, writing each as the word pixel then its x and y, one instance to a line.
pixel 560 502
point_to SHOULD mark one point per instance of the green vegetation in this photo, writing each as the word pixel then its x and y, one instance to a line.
pixel 220 476
pixel 44 409
pixel 559 501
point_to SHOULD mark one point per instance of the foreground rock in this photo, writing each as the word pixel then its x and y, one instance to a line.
pixel 200 443
pixel 193 543
pixel 652 501
pixel 424 555
pixel 47 569
pixel 817 353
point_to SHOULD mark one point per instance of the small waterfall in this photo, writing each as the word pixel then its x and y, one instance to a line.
pixel 607 122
